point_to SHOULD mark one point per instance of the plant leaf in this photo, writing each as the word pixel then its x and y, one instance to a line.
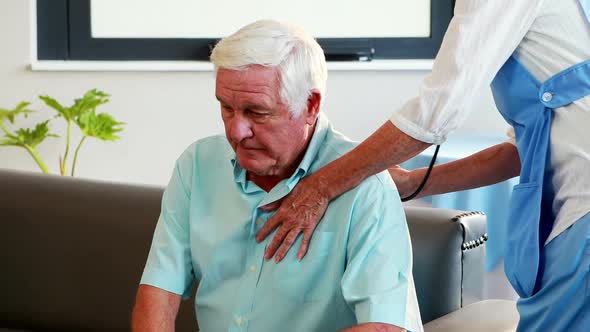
pixel 89 102
pixel 101 126
pixel 21 108
pixel 7 141
pixel 59 108
pixel 34 137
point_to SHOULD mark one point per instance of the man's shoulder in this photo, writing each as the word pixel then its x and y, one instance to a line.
pixel 216 144
pixel 377 188
pixel 209 156
pixel 335 146
pixel 210 147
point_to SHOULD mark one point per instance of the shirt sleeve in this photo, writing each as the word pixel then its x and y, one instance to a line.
pixel 377 283
pixel 169 264
pixel 511 136
pixel 480 38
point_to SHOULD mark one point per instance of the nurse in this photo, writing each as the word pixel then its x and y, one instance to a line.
pixel 535 54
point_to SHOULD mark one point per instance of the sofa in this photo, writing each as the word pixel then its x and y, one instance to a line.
pixel 72 252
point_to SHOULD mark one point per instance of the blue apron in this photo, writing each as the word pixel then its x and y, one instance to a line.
pixel 528 105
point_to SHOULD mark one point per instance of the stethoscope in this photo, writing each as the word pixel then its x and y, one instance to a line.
pixel 405 199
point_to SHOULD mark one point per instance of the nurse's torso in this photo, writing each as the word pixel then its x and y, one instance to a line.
pixel 558 39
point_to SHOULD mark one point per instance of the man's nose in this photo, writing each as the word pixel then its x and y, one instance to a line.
pixel 240 128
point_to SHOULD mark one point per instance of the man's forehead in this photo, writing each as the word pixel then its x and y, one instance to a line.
pixel 259 82
pixel 249 74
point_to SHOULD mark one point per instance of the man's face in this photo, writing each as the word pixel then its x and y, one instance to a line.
pixel 267 139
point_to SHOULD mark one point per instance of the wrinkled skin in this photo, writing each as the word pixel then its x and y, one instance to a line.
pixel 307 198
pixel 269 142
pixel 302 209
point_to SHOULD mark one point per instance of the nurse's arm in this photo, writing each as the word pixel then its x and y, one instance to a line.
pixel 374 327
pixel 492 165
pixel 302 209
pixel 155 310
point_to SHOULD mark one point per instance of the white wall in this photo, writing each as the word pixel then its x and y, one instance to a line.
pixel 166 111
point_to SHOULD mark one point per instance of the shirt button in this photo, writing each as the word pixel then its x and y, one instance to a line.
pixel 258 221
pixel 252 268
pixel 547 96
pixel 239 321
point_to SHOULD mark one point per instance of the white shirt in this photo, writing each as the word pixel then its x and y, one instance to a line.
pixel 547 37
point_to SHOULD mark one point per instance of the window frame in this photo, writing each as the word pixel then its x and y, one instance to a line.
pixel 64 33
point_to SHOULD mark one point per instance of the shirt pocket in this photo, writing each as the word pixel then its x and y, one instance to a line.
pixel 311 279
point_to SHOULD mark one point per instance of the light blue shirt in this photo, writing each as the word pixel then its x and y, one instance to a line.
pixel 358 268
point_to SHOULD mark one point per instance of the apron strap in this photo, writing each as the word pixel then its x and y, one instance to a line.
pixel 567 86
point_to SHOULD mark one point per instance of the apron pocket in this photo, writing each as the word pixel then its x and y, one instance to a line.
pixel 522 254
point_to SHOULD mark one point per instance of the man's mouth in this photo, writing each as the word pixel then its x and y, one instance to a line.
pixel 250 147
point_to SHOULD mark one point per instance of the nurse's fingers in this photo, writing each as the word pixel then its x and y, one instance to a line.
pixel 269 226
pixel 307 233
pixel 287 244
pixel 276 241
pixel 272 206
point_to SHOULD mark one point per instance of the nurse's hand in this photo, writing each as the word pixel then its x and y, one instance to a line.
pixel 299 212
pixel 404 181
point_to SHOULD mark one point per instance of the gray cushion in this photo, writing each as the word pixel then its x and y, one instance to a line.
pixel 448 275
pixel 483 316
pixel 73 251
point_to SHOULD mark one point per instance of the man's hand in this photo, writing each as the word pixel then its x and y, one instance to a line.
pixel 299 212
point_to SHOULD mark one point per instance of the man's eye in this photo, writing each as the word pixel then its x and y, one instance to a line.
pixel 257 114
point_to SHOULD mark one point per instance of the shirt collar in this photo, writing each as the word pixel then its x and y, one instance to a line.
pixel 319 134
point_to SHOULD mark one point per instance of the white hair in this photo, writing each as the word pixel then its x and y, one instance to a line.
pixel 297 55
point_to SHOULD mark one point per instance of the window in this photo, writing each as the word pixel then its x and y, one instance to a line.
pixel 70 30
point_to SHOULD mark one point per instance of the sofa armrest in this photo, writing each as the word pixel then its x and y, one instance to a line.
pixel 483 316
pixel 448 258
pixel 473 254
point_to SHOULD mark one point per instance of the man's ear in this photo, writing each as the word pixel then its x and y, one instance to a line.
pixel 313 107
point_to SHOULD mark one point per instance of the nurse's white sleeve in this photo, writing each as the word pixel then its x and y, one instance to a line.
pixel 511 136
pixel 480 38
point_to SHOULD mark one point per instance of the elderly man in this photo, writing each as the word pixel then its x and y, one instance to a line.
pixel 270 80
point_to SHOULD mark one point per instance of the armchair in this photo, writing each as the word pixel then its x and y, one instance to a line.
pixel 72 253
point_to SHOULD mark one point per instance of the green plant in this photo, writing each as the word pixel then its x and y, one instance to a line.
pixel 82 113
